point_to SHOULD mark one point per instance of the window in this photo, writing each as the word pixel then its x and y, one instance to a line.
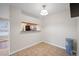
pixel 26 26
pixel 4 26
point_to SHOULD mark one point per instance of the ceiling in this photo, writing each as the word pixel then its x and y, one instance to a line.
pixel 33 9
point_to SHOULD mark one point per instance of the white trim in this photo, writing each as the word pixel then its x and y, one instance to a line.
pixel 54 44
pixel 25 47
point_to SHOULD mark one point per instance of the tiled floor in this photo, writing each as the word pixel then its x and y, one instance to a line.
pixel 42 49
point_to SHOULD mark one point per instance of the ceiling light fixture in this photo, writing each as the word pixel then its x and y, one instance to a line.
pixel 44 12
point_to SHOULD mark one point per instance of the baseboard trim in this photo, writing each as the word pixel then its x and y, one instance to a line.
pixel 26 47
pixel 55 45
pixel 37 43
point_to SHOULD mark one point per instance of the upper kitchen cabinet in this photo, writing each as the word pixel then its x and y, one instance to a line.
pixel 74 9
pixel 4 11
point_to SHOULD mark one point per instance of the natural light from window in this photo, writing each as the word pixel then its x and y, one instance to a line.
pixel 4 27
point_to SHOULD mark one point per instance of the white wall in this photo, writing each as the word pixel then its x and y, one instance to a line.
pixel 4 11
pixel 78 36
pixel 20 40
pixel 77 30
pixel 57 27
pixel 77 22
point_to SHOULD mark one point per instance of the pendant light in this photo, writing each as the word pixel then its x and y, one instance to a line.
pixel 44 12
